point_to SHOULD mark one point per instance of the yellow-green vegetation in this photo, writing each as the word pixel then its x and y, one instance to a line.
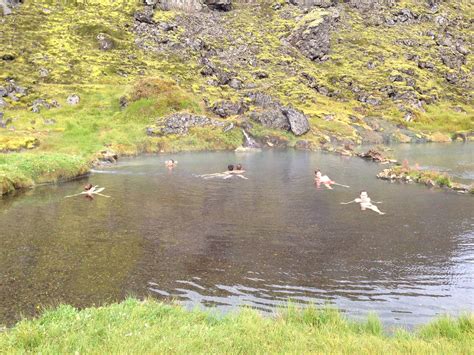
pixel 25 170
pixel 55 51
pixel 150 327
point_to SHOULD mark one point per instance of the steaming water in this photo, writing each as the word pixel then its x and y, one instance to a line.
pixel 256 242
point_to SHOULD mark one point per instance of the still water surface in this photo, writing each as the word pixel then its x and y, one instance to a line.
pixel 227 243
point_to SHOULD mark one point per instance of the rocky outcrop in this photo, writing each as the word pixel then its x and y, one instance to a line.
pixel 12 91
pixel 428 178
pixel 274 115
pixel 193 5
pixel 38 104
pixel 180 123
pixel 226 108
pixel 312 37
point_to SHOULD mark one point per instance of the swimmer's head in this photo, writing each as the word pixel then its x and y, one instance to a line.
pixel 317 172
pixel 364 194
pixel 230 167
pixel 88 187
pixel 238 167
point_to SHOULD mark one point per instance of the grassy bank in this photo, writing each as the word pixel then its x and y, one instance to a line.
pixel 142 327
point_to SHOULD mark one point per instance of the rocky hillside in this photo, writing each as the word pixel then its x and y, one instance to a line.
pixel 82 77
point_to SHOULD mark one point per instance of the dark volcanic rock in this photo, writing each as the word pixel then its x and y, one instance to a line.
pixel 123 102
pixel 298 121
pixel 313 39
pixel 274 115
pixel 180 123
pixel 219 5
pixel 227 108
pixel 272 118
pixel 145 16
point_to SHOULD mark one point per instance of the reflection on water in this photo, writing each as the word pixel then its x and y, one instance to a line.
pixel 457 159
pixel 226 243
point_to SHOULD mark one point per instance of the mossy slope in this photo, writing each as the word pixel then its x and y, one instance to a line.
pixel 55 51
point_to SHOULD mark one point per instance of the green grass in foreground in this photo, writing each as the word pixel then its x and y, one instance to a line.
pixel 143 327
pixel 22 170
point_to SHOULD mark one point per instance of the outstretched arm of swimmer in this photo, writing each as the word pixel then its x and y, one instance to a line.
pixel 346 203
pixel 243 177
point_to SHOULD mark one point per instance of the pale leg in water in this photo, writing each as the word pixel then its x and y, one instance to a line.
pixel 371 207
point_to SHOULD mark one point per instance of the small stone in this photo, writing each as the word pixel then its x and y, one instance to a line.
pixel 4 122
pixel 105 42
pixel 43 72
pixel 49 122
pixel 123 102
pixel 73 99
pixel 236 84
pixel 8 57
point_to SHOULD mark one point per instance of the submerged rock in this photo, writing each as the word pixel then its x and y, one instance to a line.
pixel 376 156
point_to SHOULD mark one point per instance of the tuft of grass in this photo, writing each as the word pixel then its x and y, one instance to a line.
pixel 25 170
pixel 152 327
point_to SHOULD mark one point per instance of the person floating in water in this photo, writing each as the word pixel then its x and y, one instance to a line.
pixel 365 203
pixel 231 171
pixel 325 180
pixel 170 164
pixel 90 191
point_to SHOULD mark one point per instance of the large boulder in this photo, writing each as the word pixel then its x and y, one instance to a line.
pixel 219 5
pixel 312 36
pixel 271 118
pixel 298 121
pixel 227 108
pixel 273 114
